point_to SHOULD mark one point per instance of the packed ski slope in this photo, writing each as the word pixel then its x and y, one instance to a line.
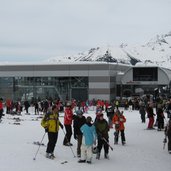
pixel 143 150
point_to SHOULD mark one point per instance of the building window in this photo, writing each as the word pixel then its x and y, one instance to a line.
pixel 145 74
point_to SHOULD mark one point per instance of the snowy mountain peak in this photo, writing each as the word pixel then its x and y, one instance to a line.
pixel 156 52
pixel 101 54
pixel 160 40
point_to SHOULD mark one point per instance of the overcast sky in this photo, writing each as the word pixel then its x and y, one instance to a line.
pixel 34 30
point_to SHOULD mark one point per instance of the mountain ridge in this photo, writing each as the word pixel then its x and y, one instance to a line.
pixel 155 52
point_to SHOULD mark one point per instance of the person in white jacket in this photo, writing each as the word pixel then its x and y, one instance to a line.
pixel 89 138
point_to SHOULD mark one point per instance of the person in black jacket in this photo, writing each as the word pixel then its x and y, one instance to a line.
pixel 1 108
pixel 79 120
pixel 168 134
pixel 110 114
pixel 168 109
pixel 142 111
pixel 160 118
pixel 26 105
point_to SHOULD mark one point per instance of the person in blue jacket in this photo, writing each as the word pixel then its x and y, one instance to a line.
pixel 89 138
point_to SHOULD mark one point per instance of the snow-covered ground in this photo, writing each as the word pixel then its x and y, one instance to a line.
pixel 143 151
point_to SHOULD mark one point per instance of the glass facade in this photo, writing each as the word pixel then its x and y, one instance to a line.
pixel 145 74
pixel 26 88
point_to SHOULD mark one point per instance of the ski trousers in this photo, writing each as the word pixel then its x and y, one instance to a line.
pixel 101 143
pixel 68 134
pixel 52 137
pixel 86 152
pixel 151 122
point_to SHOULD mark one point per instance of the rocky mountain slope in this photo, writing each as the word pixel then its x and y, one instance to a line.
pixel 156 52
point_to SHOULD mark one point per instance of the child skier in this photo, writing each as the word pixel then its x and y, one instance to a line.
pixel 89 137
pixel 119 120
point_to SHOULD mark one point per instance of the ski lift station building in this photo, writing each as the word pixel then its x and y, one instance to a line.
pixel 80 81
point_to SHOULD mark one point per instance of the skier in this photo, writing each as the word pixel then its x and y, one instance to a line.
pixel 68 117
pixel 79 120
pixel 119 120
pixel 150 115
pixel 130 103
pixel 36 107
pixel 1 108
pixel 102 129
pixel 110 113
pixel 26 106
pixel 168 134
pixel 142 111
pixel 89 138
pixel 117 104
pixel 168 109
pixel 160 118
pixel 51 124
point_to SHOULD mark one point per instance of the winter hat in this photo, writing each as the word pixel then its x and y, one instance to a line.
pixel 88 119
pixel 68 104
pixel 54 107
pixel 109 107
pixel 79 112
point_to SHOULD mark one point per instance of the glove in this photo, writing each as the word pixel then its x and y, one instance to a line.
pixel 46 129
pixel 75 136
pixel 62 127
pixel 121 119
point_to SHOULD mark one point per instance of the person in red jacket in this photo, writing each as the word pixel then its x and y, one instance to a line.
pixel 119 120
pixel 68 117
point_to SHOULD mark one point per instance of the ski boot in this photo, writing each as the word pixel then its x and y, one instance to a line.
pixel 89 161
pixel 98 156
pixel 115 142
pixel 50 155
pixel 81 161
pixel 106 156
pixel 123 142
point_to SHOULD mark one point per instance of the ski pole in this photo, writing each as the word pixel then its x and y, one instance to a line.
pixel 68 141
pixel 39 147
pixel 107 143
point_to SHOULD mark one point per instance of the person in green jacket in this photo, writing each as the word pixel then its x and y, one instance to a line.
pixel 51 124
pixel 102 129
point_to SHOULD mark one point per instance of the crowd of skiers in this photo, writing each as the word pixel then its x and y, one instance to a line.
pixel 93 136
pixel 155 114
pixel 88 134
